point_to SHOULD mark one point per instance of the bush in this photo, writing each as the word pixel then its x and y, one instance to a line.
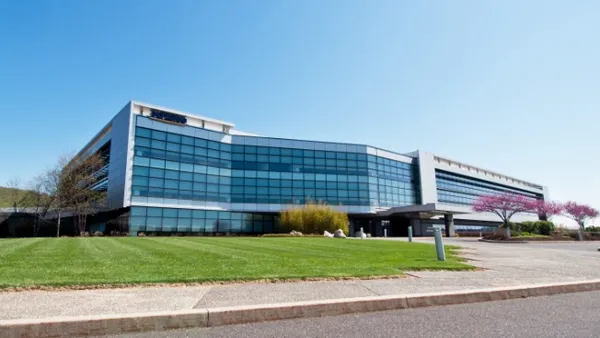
pixel 84 234
pixel 592 229
pixel 545 227
pixel 98 234
pixel 313 218
pixel 530 227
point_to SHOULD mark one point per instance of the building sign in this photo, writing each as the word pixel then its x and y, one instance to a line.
pixel 168 117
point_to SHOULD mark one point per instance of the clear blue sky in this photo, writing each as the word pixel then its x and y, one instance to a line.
pixel 511 86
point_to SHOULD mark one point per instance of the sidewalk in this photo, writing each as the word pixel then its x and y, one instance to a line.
pixel 503 264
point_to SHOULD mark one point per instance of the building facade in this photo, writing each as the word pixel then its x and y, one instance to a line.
pixel 176 172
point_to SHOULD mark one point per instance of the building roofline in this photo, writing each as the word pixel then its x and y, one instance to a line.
pixel 179 112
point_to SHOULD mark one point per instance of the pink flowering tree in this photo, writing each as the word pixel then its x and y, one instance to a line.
pixel 546 210
pixel 504 205
pixel 580 213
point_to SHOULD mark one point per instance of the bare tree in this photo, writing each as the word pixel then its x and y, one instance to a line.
pixel 15 193
pixel 56 184
pixel 86 201
pixel 68 184
pixel 37 201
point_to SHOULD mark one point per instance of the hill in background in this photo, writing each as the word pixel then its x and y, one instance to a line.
pixel 5 196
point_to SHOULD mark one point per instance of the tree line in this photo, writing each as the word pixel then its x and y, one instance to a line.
pixel 60 190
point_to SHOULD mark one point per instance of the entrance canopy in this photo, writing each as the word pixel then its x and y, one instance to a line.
pixel 424 210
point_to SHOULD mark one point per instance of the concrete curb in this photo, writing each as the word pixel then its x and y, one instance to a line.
pixel 156 321
pixel 503 242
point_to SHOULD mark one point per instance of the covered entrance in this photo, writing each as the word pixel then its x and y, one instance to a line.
pixel 420 217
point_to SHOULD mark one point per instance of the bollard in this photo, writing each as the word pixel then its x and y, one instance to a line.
pixel 410 233
pixel 384 232
pixel 439 244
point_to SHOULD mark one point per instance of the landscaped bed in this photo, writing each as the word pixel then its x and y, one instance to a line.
pixel 38 262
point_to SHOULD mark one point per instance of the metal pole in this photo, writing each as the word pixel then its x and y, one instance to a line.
pixel 384 232
pixel 439 244
pixel 410 233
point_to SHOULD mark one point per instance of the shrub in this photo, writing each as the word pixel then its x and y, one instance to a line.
pixel 530 227
pixel 544 227
pixel 592 229
pixel 313 218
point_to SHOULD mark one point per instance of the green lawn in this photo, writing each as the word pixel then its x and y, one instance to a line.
pixel 125 260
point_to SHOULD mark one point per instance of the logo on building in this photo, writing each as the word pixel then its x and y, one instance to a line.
pixel 168 117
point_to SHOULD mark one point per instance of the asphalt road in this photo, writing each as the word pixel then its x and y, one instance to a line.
pixel 568 315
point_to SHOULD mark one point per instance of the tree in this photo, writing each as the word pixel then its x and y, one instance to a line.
pixel 505 205
pixel 68 184
pixel 15 195
pixel 37 201
pixel 580 213
pixel 546 210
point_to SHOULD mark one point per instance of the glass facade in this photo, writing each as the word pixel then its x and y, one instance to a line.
pixel 199 221
pixel 462 190
pixel 174 166
pixel 179 167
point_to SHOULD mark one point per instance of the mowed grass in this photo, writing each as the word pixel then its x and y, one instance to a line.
pixel 130 260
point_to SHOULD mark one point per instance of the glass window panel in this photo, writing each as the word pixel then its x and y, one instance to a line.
pixel 154 212
pixel 187 140
pixel 171 184
pixel 138 221
pixel 213 145
pixel 198 142
pixel 187 167
pixel 138 211
pixel 159 135
pixel 185 213
pixel 187 149
pixel 167 212
pixel 143 132
pixel 184 185
pixel 156 182
pixel 141 161
pixel 155 163
pixel 153 223
pixel 172 165
pixel 175 138
pixel 142 171
pixel 154 172
pixel 142 142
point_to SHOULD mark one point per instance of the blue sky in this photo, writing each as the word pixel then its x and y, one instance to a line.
pixel 507 85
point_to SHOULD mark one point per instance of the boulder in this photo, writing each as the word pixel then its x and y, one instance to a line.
pixel 328 234
pixel 339 233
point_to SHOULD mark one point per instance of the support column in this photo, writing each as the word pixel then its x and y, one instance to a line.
pixel 416 227
pixel 449 224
